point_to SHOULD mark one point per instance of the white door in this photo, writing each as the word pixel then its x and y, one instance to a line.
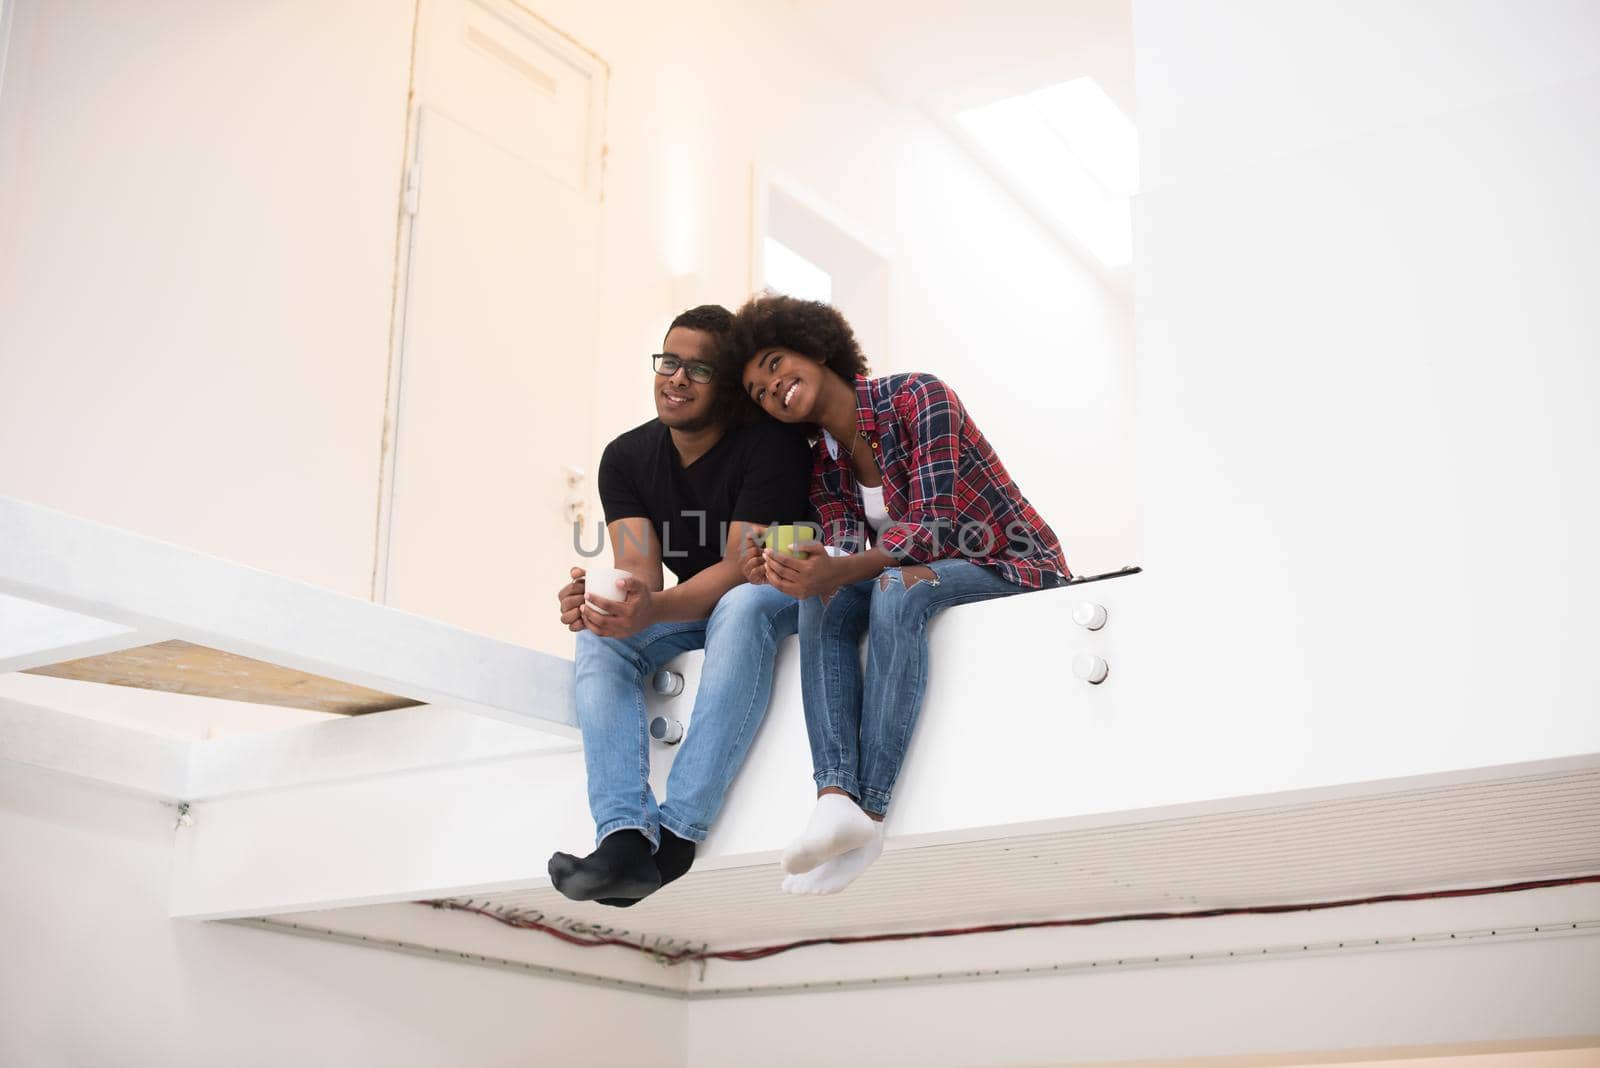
pixel 494 377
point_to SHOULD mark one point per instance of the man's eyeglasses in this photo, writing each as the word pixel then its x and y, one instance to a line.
pixel 667 365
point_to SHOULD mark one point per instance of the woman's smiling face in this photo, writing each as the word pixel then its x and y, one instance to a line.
pixel 784 383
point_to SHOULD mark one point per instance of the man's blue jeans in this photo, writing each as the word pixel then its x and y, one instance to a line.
pixel 859 731
pixel 740 639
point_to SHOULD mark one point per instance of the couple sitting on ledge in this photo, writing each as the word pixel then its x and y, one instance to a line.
pixel 767 417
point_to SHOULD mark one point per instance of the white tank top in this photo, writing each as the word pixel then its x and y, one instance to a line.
pixel 872 504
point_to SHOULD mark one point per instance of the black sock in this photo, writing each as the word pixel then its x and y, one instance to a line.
pixel 622 867
pixel 673 858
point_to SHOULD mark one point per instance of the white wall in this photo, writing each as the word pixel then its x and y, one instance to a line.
pixel 197 243
pixel 197 225
pixel 94 973
pixel 1367 256
pixel 1312 1006
pixel 978 292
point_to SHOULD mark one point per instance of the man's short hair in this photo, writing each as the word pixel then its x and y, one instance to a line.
pixel 712 319
pixel 716 322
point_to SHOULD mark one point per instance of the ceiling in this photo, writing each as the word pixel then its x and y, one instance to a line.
pixel 944 55
pixel 1486 833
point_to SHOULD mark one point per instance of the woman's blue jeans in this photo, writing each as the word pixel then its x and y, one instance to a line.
pixel 859 728
pixel 740 639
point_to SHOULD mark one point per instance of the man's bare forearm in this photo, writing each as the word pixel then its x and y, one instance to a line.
pixel 696 598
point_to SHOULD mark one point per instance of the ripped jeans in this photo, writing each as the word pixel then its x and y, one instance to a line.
pixel 859 729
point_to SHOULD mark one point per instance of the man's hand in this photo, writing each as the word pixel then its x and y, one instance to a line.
pixel 626 617
pixel 751 563
pixel 571 599
pixel 814 575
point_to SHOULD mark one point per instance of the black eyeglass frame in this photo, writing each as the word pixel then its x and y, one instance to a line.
pixel 689 367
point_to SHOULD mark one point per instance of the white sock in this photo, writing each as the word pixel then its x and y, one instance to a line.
pixel 834 875
pixel 837 825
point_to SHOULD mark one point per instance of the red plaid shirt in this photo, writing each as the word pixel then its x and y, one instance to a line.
pixel 947 494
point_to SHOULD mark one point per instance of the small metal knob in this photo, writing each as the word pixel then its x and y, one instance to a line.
pixel 1089 616
pixel 668 683
pixel 1090 668
pixel 666 730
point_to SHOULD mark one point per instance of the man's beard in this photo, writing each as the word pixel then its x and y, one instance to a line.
pixel 696 424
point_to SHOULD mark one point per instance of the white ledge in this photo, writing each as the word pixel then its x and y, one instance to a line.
pixel 127 760
pixel 385 743
pixel 128 581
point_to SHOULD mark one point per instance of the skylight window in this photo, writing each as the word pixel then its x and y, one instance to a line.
pixel 791 273
pixel 1071 152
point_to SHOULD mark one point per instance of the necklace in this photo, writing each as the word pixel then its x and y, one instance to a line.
pixel 848 448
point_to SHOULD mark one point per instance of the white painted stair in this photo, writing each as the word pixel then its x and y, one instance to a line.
pixel 1042 784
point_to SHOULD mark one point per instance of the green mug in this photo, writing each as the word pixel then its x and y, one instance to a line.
pixel 783 537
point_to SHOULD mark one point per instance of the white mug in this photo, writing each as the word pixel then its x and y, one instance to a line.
pixel 602 582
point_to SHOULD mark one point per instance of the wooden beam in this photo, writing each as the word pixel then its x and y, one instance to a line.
pixel 180 667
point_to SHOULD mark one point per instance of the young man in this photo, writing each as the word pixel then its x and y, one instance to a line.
pixel 685 489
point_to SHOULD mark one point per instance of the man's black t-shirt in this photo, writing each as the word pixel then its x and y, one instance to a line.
pixel 753 474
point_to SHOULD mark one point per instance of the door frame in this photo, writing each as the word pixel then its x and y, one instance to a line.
pixel 408 203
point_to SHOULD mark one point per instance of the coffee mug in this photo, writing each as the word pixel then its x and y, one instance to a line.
pixel 783 537
pixel 602 582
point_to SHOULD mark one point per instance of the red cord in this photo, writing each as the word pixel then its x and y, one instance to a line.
pixel 761 952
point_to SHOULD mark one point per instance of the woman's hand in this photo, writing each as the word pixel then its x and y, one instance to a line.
pixel 751 565
pixel 814 575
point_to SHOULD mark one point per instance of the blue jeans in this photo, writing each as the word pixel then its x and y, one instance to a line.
pixel 740 639
pixel 859 730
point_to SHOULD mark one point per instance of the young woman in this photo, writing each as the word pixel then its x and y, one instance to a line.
pixel 897 456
